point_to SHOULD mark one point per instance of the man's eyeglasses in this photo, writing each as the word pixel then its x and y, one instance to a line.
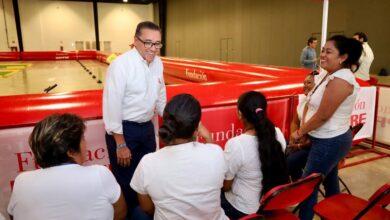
pixel 148 44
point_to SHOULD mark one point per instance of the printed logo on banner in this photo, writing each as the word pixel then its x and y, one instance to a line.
pixel 223 122
pixel 17 156
pixel 364 112
pixel 196 75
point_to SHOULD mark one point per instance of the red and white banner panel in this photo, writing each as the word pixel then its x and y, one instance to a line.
pixel 16 155
pixel 383 120
pixel 364 112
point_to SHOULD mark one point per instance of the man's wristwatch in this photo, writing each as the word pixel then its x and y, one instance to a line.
pixel 119 146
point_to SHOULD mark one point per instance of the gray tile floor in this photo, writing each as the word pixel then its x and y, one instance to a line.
pixel 364 179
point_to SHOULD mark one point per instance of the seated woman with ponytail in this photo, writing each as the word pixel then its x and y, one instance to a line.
pixel 183 180
pixel 255 159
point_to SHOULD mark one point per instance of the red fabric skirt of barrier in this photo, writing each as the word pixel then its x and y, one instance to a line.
pixel 26 110
pixel 58 55
pixel 9 56
pixel 86 55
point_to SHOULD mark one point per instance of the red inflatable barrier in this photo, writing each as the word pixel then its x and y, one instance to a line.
pixel 101 57
pixel 240 69
pixel 25 110
pixel 58 55
pixel 46 55
pixel 86 55
pixel 9 56
pixel 217 85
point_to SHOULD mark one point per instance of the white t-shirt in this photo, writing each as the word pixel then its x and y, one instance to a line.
pixel 65 192
pixel 184 181
pixel 339 122
pixel 301 106
pixel 243 161
pixel 365 62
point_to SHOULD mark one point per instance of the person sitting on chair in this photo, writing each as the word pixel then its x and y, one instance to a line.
pixel 183 180
pixel 63 188
pixel 297 151
pixel 255 159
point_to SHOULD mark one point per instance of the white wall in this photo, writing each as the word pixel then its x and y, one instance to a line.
pixel 117 23
pixel 7 22
pixel 46 23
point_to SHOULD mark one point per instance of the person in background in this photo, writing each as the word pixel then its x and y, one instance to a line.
pixel 297 152
pixel 255 159
pixel 326 116
pixel 134 91
pixel 365 61
pixel 183 180
pixel 63 188
pixel 308 56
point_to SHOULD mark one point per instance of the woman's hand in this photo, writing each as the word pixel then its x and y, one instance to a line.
pixel 295 136
pixel 303 142
pixel 204 133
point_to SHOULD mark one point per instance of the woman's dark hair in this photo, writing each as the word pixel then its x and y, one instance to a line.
pixel 349 46
pixel 361 35
pixel 55 136
pixel 314 73
pixel 180 119
pixel 253 107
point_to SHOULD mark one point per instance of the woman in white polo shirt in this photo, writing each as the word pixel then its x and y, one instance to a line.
pixel 255 159
pixel 64 189
pixel 183 180
pixel 326 117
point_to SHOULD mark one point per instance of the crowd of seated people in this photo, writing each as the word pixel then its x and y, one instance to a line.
pixel 191 180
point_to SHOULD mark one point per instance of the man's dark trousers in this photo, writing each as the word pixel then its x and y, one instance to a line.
pixel 141 140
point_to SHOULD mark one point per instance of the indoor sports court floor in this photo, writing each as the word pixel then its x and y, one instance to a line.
pixel 33 77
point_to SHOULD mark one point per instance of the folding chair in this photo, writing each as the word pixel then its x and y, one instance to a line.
pixel 274 203
pixel 355 129
pixel 347 206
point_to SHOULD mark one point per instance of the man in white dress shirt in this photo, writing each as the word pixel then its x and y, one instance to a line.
pixel 134 91
pixel 366 58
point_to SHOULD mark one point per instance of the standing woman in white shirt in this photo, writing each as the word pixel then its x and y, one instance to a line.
pixel 134 92
pixel 183 180
pixel 255 159
pixel 63 188
pixel 326 117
